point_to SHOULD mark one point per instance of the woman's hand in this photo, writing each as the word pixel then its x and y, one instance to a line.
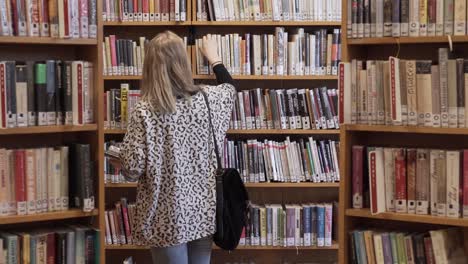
pixel 209 49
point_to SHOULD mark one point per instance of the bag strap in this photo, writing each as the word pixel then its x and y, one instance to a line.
pixel 218 157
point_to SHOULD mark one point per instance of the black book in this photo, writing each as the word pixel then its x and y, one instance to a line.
pixel 90 246
pixel 32 117
pixel 81 184
pixel 61 247
pixel 40 83
pixel 59 92
pixel 66 95
pixel 50 90
pixel 11 93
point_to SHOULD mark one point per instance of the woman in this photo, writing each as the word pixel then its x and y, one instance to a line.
pixel 168 148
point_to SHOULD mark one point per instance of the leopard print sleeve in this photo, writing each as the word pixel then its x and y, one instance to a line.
pixel 221 98
pixel 133 150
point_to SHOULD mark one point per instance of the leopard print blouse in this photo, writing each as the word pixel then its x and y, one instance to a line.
pixel 172 157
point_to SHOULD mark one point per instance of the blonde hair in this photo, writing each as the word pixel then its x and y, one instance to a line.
pixel 166 72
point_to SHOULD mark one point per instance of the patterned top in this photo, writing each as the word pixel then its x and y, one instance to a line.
pixel 172 157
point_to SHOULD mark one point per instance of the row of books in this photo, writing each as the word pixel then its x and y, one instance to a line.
pixel 119 222
pixel 118 105
pixel 395 18
pixel 53 18
pixel 68 244
pixel 290 225
pixel 268 10
pixel 45 180
pixel 144 10
pixel 287 161
pixel 299 53
pixel 46 93
pixel 406 92
pixel 112 174
pixel 315 108
pixel 124 56
pixel 380 246
pixel 414 181
pixel 241 260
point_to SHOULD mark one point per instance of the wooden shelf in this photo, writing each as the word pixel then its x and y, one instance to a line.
pixel 259 131
pixel 134 247
pixel 46 41
pixel 121 185
pixel 122 77
pixel 47 129
pixel 427 219
pixel 255 185
pixel 268 23
pixel 238 77
pixel 59 215
pixel 283 131
pixel 114 131
pixel 334 246
pixel 149 24
pixel 125 247
pixel 407 40
pixel 271 77
pixel 293 185
pixel 407 129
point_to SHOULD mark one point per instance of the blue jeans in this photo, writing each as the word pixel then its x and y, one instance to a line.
pixel 193 252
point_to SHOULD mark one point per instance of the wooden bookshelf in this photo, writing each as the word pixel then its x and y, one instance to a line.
pixel 408 129
pixel 52 216
pixel 239 77
pixel 267 23
pixel 254 185
pixel 289 192
pixel 47 129
pixel 46 41
pixel 407 40
pixel 146 24
pixel 426 219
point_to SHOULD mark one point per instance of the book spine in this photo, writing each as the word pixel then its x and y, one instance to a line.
pixel 448 17
pixel 423 17
pixel 414 18
pixel 20 182
pixel 411 180
pixel 465 183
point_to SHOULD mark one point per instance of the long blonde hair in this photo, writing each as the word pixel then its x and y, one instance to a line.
pixel 166 72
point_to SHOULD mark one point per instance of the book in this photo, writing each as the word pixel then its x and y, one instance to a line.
pixel 34 18
pixel 144 11
pixel 409 180
pixel 82 187
pixel 408 247
pixel 320 55
pixel 414 92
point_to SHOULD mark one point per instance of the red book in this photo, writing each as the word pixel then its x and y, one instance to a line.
pixel 164 7
pixel 172 10
pixel 14 16
pixel 146 6
pixel 3 110
pixel 464 181
pixel 430 259
pixel 401 194
pixel 358 176
pixel 20 181
pixel 128 232
pixel 80 92
pixel 66 18
pixel 44 18
pixel 411 180
pixel 373 178
pixel 113 54
pixel 50 248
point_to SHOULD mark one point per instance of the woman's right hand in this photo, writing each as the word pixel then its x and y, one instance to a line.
pixel 209 49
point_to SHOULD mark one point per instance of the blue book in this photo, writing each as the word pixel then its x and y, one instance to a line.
pixel 362 248
pixel 320 225
pixel 11 243
pixel 387 248
pixel 313 225
pixel 307 229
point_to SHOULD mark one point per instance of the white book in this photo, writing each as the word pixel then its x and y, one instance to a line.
pixel 414 18
pixel 459 17
pixel 379 26
pixel 344 88
pixel 434 155
pixel 51 179
pixel 439 18
pixel 453 184
pixel 30 181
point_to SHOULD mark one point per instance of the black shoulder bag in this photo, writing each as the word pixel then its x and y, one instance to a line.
pixel 231 200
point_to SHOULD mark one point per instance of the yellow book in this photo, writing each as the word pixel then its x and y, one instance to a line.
pixel 124 87
pixel 151 10
pixel 108 56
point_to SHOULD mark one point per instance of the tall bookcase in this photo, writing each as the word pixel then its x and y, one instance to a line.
pixel 259 192
pixel 393 136
pixel 41 49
